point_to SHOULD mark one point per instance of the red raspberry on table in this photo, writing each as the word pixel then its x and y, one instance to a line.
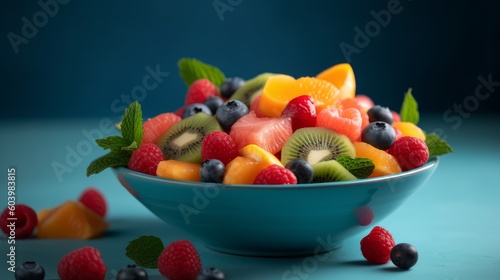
pixel 82 264
pixel 179 261
pixel 199 91
pixel 275 175
pixel 93 199
pixel 377 245
pixel 146 158
pixel 302 112
pixel 411 152
pixel 218 145
pixel 24 220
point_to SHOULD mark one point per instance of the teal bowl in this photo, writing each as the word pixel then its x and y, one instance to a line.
pixel 274 220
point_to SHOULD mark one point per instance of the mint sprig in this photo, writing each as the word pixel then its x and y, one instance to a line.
pixel 359 167
pixel 145 250
pixel 191 69
pixel 436 145
pixel 121 147
pixel 409 109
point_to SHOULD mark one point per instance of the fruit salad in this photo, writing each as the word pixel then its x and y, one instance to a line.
pixel 271 129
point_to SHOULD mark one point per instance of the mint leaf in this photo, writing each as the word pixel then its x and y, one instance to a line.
pixel 436 145
pixel 132 147
pixel 359 167
pixel 131 126
pixel 145 250
pixel 191 69
pixel 112 142
pixel 111 159
pixel 409 109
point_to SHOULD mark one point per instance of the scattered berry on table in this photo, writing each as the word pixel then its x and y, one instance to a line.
pixel 377 245
pixel 179 261
pixel 26 220
pixel 302 112
pixel 146 158
pixel 29 271
pixel 94 200
pixel 411 152
pixel 229 112
pixel 302 170
pixel 275 175
pixel 380 135
pixel 230 86
pixel 211 274
pixel 132 272
pixel 200 90
pixel 404 255
pixel 218 145
pixel 213 102
pixel 196 108
pixel 82 264
pixel 379 113
pixel 212 170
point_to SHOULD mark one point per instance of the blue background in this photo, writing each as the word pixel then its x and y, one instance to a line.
pixel 91 52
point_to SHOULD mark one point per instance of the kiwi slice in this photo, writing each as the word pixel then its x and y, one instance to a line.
pixel 251 89
pixel 183 140
pixel 331 171
pixel 316 144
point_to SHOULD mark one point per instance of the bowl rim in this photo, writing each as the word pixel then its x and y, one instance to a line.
pixel 430 164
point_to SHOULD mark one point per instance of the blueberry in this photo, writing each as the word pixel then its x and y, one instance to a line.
pixel 229 112
pixel 379 113
pixel 302 170
pixel 195 109
pixel 211 274
pixel 213 103
pixel 212 170
pixel 132 271
pixel 230 85
pixel 379 134
pixel 29 271
pixel 404 255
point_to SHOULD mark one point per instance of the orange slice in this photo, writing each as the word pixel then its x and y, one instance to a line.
pixel 341 76
pixel 178 170
pixel 384 162
pixel 260 155
pixel 242 170
pixel 409 129
pixel 280 89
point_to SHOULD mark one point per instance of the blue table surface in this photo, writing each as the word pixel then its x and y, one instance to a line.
pixel 452 220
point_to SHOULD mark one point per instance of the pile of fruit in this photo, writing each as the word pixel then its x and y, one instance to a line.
pixel 271 129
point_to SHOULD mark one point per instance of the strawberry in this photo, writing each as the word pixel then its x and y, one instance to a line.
pixel 93 199
pixel 199 91
pixel 377 245
pixel 179 261
pixel 82 264
pixel 275 175
pixel 218 145
pixel 146 158
pixel 24 220
pixel 302 111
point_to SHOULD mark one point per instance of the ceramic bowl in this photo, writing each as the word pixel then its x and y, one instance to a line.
pixel 274 220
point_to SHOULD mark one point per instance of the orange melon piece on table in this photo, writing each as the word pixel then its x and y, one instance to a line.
pixel 409 129
pixel 268 133
pixel 384 162
pixel 242 170
pixel 342 76
pixel 179 170
pixel 71 220
pixel 157 126
pixel 345 121
pixel 280 89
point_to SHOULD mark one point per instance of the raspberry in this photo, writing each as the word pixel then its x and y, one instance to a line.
pixel 94 200
pixel 82 264
pixel 377 245
pixel 275 175
pixel 25 222
pixel 218 145
pixel 179 261
pixel 302 112
pixel 146 158
pixel 411 152
pixel 200 90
